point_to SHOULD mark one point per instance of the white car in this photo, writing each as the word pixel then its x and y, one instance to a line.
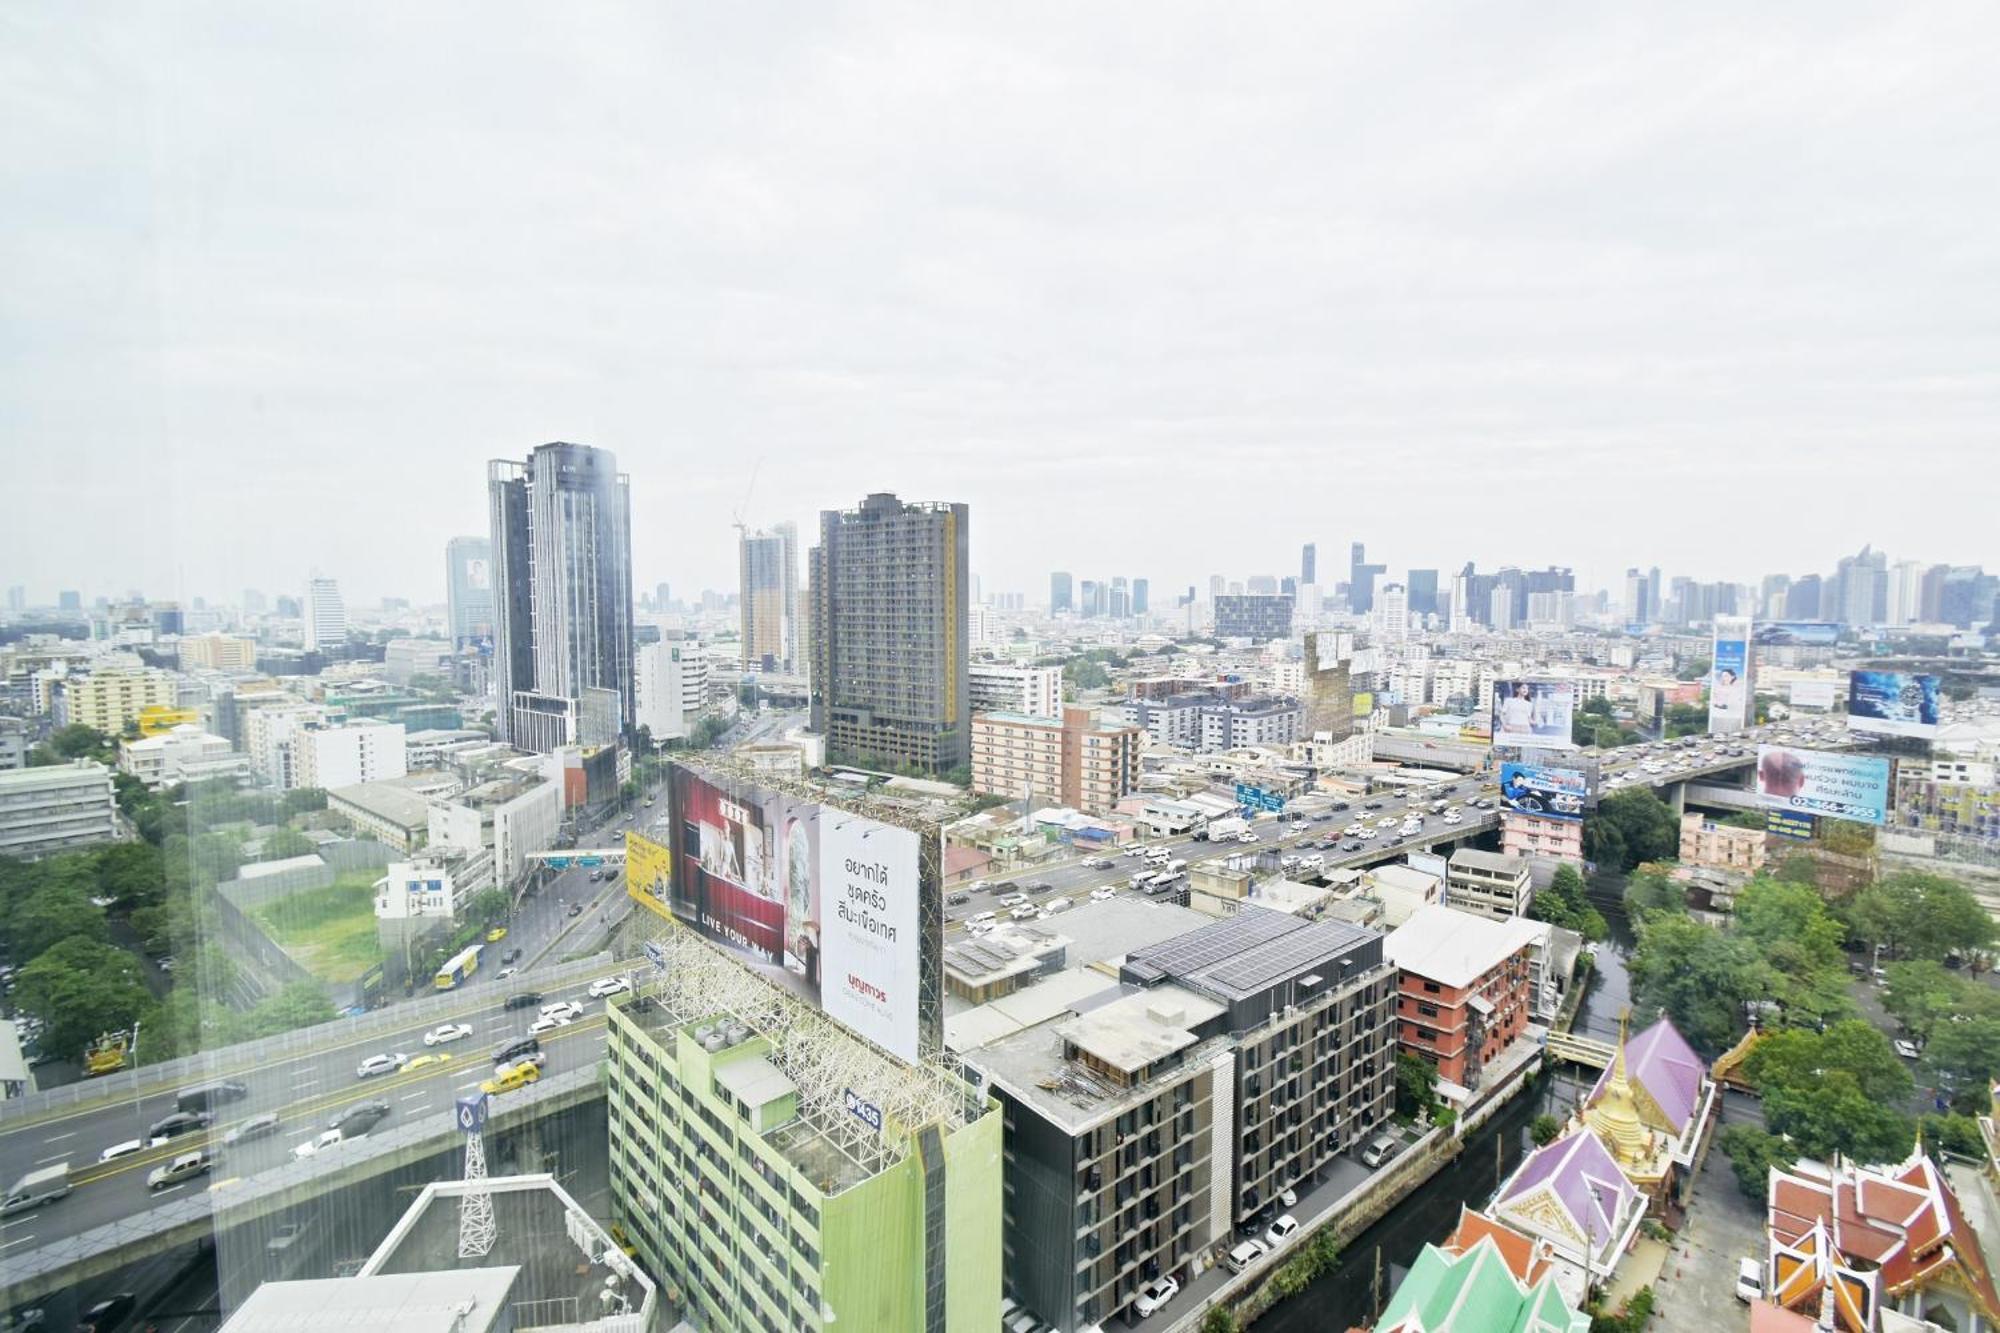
pixel 125 1149
pixel 1451 817
pixel 445 1032
pixel 1249 1252
pixel 1136 849
pixel 1099 895
pixel 1281 1230
pixel 979 927
pixel 563 1009
pixel 1908 1049
pixel 381 1064
pixel 550 1022
pixel 1155 1294
pixel 605 986
pixel 1025 912
pixel 327 1139
pixel 1245 836
pixel 1749 1280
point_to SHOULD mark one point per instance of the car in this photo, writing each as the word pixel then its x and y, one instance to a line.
pixel 1025 912
pixel 1749 1280
pixel 1099 895
pixel 605 986
pixel 358 1119
pixel 1281 1230
pixel 1350 846
pixel 576 909
pixel 495 935
pixel 107 1314
pixel 1371 805
pixel 1014 900
pixel 527 999
pixel 1246 835
pixel 177 1124
pixel 550 1022
pixel 1154 1295
pixel 1288 1197
pixel 1379 1151
pixel 505 972
pixel 511 957
pixel 1249 1252
pixel 563 1009
pixel 311 1147
pixel 1135 849
pixel 125 1149
pixel 979 927
pixel 515 1048
pixel 430 1060
pixel 381 1064
pixel 1908 1049
pixel 514 1076
pixel 1451 817
pixel 957 899
pixel 256 1127
pixel 186 1166
pixel 445 1032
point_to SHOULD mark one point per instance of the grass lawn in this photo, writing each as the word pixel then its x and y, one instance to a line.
pixel 330 931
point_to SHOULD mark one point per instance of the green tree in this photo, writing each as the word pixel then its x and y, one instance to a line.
pixel 130 874
pixel 57 913
pixel 303 800
pixel 1416 1085
pixel 1953 1134
pixel 1964 1055
pixel 284 842
pixel 1700 977
pixel 1544 1130
pixel 1696 668
pixel 301 1004
pixel 1790 924
pixel 1563 904
pixel 76 741
pixel 1651 889
pixel 79 988
pixel 488 907
pixel 1752 1153
pixel 1920 915
pixel 1921 994
pixel 1631 827
pixel 1834 1091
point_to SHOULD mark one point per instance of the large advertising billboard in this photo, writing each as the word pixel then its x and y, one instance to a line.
pixel 1814 782
pixel 647 877
pixel 1533 714
pixel 1729 686
pixel 1818 695
pixel 1537 789
pixel 824 902
pixel 1798 633
pixel 1893 702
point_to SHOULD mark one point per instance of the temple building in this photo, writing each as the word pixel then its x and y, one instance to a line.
pixel 1571 1195
pixel 1652 1108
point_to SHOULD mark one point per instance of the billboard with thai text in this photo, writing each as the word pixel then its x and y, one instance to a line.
pixel 1815 782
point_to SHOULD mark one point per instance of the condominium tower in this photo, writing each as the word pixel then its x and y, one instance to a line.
pixel 770 598
pixel 468 586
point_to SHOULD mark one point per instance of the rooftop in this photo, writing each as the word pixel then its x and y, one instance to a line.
pixel 1140 1028
pixel 1242 956
pixel 1453 947
pixel 461 1300
pixel 404 801
pixel 1499 863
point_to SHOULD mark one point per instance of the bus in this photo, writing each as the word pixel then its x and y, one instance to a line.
pixel 458 967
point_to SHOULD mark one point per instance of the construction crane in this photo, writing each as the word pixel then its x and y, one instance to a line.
pixel 743 529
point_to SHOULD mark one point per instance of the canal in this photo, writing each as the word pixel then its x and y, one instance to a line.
pixel 1350 1295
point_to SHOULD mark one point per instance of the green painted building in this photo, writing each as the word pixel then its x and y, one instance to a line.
pixel 1476 1292
pixel 778 1173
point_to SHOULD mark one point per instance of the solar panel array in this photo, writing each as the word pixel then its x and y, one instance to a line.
pixel 1286 956
pixel 1240 955
pixel 1204 946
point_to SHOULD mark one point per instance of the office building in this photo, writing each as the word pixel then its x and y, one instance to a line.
pixel 1060 593
pixel 1141 597
pixel 1466 988
pixel 1309 563
pixel 341 756
pixel 1006 688
pixel 1069 761
pixel 670 687
pixel 1361 578
pixel 56 808
pixel 510 817
pixel 468 585
pixel 889 634
pixel 1239 1060
pixel 784 1174
pixel 113 696
pixel 1423 592
pixel 217 652
pixel 562 586
pixel 325 616
pixel 1254 616
pixel 768 600
pixel 1492 884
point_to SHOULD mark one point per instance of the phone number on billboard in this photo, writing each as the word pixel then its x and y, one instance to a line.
pixel 1868 814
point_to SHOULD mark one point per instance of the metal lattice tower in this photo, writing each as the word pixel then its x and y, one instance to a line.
pixel 476 1228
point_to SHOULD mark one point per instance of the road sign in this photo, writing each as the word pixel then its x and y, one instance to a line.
pixel 656 954
pixel 558 863
pixel 590 860
pixel 472 1113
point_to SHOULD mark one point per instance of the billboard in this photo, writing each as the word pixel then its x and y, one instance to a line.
pixel 1785 824
pixel 1819 695
pixel 1729 685
pixel 1537 789
pixel 822 901
pixel 1364 704
pixel 1894 702
pixel 646 873
pixel 1533 714
pixel 1813 782
pixel 1798 633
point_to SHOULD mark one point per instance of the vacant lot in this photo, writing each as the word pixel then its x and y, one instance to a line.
pixel 330 931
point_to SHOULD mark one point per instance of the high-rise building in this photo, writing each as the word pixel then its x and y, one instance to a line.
pixel 468 585
pixel 1423 592
pixel 1139 597
pixel 1653 591
pixel 1261 585
pixel 1253 616
pixel 17 599
pixel 1500 607
pixel 1638 597
pixel 1802 599
pixel 1906 591
pixel 889 633
pixel 326 615
pixel 1862 582
pixel 1361 578
pixel 1070 761
pixel 69 600
pixel 1966 599
pixel 670 684
pixel 1392 614
pixel 562 563
pixel 1309 563
pixel 769 598
pixel 1060 595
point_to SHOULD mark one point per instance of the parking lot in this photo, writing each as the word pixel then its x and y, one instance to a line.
pixel 1696 1292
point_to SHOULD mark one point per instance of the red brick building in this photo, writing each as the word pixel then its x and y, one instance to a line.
pixel 1466 989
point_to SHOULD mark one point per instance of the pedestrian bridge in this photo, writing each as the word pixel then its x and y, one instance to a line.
pixel 1580 1050
pixel 579 856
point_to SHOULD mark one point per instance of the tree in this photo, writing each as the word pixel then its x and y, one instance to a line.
pixel 57 913
pixel 1919 915
pixel 1650 890
pixel 1544 1130
pixel 79 988
pixel 285 842
pixel 1964 1055
pixel 76 741
pixel 303 800
pixel 1563 904
pixel 1752 1154
pixel 1631 827
pixel 1790 924
pixel 1921 994
pixel 1834 1091
pixel 131 875
pixel 1416 1084
pixel 488 906
pixel 1701 977
pixel 1694 669
pixel 301 1004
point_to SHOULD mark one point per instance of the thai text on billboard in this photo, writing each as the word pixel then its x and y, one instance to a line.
pixel 647 873
pixel 1798 633
pixel 822 901
pixel 1814 782
pixel 1533 714
pixel 1785 824
pixel 1893 702
pixel 1537 789
pixel 1729 676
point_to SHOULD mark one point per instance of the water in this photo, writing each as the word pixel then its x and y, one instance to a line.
pixel 1344 1297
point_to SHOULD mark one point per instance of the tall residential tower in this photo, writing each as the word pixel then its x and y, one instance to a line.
pixel 468 585
pixel 770 598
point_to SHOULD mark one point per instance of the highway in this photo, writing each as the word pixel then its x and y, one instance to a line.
pixel 305 1092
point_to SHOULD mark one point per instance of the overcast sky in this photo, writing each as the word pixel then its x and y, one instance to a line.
pixel 1158 290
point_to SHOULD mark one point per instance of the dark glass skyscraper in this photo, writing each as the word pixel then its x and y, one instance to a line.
pixel 468 588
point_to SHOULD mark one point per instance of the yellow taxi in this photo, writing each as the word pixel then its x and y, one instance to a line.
pixel 508 1079
pixel 495 935
pixel 428 1061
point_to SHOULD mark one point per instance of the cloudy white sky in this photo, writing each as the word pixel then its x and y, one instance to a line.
pixel 1158 289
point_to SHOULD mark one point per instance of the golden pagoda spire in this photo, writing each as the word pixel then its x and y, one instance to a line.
pixel 1615 1115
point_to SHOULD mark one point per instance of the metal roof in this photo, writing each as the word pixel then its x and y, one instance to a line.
pixel 1245 954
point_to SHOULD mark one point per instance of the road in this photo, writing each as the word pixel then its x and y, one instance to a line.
pixel 305 1091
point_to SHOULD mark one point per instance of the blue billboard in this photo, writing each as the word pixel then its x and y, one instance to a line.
pixel 1256 798
pixel 1798 633
pixel 1537 789
pixel 1815 782
pixel 1785 824
pixel 1893 702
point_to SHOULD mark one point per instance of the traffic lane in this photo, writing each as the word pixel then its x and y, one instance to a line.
pixel 118 1190
pixel 326 1074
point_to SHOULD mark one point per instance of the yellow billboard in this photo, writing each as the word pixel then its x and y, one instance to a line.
pixel 1364 704
pixel 646 865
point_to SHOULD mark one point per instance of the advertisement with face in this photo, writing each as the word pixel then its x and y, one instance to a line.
pixel 1813 782
pixel 873 963
pixel 1534 789
pixel 1729 677
pixel 1893 702
pixel 1798 633
pixel 647 877
pixel 1533 714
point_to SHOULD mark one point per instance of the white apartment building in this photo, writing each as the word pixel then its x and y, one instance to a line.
pixel 1492 884
pixel 1002 687
pixel 181 754
pixel 1390 619
pixel 342 756
pixel 326 615
pixel 58 808
pixel 670 686
pixel 512 817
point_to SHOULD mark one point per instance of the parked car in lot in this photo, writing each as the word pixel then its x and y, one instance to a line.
pixel 1249 1252
pixel 1378 1152
pixel 1749 1280
pixel 184 1167
pixel 1155 1294
pixel 381 1064
pixel 445 1032
pixel 1281 1230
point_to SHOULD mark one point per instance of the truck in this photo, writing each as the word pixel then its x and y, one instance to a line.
pixel 1225 830
pixel 106 1055
pixel 35 1189
pixel 458 967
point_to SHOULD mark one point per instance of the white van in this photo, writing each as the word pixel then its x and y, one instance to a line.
pixel 981 919
pixel 1158 855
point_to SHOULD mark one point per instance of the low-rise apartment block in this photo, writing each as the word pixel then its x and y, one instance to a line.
pixel 184 754
pixel 1069 761
pixel 1493 884
pixel 1002 687
pixel 57 808
pixel 1466 989
pixel 1724 846
pixel 112 696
